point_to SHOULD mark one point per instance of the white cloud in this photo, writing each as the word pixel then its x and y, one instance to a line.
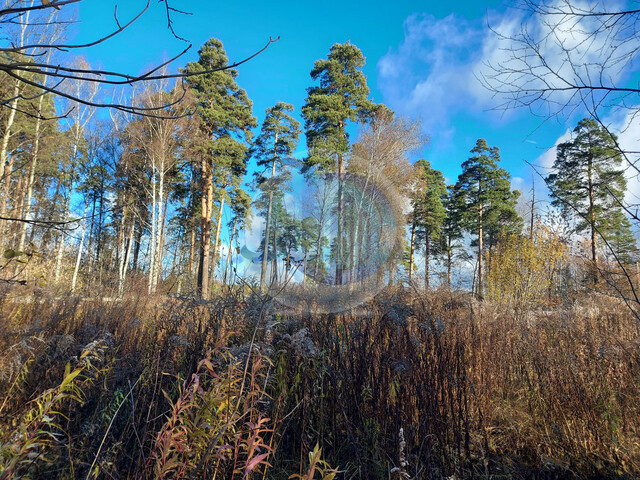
pixel 252 237
pixel 569 50
pixel 545 161
pixel 429 75
pixel 518 183
pixel 628 131
pixel 434 71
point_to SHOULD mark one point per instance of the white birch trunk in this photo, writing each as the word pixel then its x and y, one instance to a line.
pixel 124 259
pixel 152 239
pixel 79 256
pixel 32 171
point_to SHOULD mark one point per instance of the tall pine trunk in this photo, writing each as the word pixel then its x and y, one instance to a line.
pixel 274 261
pixel 592 222
pixel 480 248
pixel 449 260
pixel 427 248
pixel 412 242
pixel 233 233
pixel 304 276
pixel 216 240
pixel 339 243
pixel 265 245
pixel 205 237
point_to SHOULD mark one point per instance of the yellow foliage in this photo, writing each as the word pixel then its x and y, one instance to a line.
pixel 521 269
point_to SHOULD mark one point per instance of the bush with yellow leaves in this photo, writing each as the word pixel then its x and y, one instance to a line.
pixel 522 269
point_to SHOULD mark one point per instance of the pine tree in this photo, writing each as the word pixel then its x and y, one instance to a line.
pixel 485 200
pixel 588 184
pixel 341 97
pixel 241 207
pixel 273 149
pixel 451 229
pixel 224 110
pixel 428 214
pixel 309 232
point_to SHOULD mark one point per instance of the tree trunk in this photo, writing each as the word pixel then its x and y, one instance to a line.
pixel 449 261
pixel 79 256
pixel 287 266
pixel 121 236
pixel 4 154
pixel 426 261
pixel 99 238
pixel 161 237
pixel 411 250
pixel 205 236
pixel 177 253
pixel 304 276
pixel 274 261
pixel 339 246
pixel 533 208
pixel 263 269
pixel 233 232
pixel 192 223
pixel 124 260
pixel 136 249
pixel 316 271
pixel 60 246
pixel 265 243
pixel 4 174
pixel 216 240
pixel 90 246
pixel 32 172
pixel 192 249
pixel 8 227
pixel 154 225
pixel 480 259
pixel 592 222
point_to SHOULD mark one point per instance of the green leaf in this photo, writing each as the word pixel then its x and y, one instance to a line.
pixel 70 377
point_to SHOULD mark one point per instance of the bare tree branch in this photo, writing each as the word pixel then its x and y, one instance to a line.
pixel 17 62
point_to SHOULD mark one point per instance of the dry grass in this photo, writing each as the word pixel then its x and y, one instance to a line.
pixel 238 388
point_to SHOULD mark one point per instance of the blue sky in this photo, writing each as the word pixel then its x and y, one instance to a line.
pixel 422 61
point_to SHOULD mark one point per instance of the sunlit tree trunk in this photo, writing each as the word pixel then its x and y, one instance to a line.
pixel 205 240
pixel 124 259
pixel 480 247
pixel 233 232
pixel 592 221
pixel 449 260
pixel 79 255
pixel 427 258
pixel 5 174
pixel 265 249
pixel 412 243
pixel 216 240
pixel 154 226
pixel 32 172
pixel 339 239
pixel 60 245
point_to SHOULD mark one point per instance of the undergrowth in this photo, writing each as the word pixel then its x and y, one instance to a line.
pixel 409 386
